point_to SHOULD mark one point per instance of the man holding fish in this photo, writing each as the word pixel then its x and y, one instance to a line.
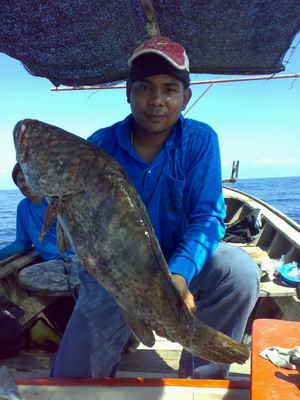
pixel 174 165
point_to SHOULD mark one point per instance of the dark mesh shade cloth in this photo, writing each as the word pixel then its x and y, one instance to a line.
pixel 84 42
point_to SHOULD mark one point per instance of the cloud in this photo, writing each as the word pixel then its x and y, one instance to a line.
pixel 276 161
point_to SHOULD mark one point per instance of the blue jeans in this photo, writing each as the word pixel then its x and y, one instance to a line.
pixel 95 334
pixel 225 291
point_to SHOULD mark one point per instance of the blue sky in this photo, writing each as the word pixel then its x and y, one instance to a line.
pixel 257 122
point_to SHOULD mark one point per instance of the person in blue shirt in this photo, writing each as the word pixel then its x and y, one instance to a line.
pixel 58 273
pixel 174 163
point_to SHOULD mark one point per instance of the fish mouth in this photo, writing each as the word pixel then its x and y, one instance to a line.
pixel 19 129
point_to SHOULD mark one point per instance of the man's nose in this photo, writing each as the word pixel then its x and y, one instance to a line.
pixel 157 97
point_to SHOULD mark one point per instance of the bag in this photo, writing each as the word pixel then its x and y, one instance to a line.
pixel 12 308
pixel 10 328
pixel 245 229
pixel 10 334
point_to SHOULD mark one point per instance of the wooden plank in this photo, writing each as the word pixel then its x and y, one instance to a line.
pixel 151 21
pixel 149 362
pixel 290 307
pixel 31 304
pixel 17 262
pixel 30 362
pixel 32 307
pixel 256 253
pixel 162 360
pixel 275 288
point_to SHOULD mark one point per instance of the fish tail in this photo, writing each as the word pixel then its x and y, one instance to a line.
pixel 216 347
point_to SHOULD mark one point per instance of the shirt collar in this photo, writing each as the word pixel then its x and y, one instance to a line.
pixel 176 134
pixel 123 132
pixel 124 129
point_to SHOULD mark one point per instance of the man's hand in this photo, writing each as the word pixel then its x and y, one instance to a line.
pixel 180 282
pixel 187 296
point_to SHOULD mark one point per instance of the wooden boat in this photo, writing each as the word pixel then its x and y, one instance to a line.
pixel 278 236
pixel 45 39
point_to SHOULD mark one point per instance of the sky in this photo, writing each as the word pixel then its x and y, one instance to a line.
pixel 258 123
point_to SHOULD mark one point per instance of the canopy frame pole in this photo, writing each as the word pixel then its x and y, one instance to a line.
pixel 150 17
pixel 206 82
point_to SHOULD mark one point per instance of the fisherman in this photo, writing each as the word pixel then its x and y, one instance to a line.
pixel 174 164
pixel 57 273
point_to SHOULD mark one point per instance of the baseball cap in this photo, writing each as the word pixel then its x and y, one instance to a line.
pixel 173 52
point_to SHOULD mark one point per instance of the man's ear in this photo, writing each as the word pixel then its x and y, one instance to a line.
pixel 187 94
pixel 128 89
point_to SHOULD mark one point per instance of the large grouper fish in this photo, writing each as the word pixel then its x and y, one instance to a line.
pixel 109 229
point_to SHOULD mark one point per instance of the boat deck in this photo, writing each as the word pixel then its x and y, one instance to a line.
pixel 160 361
pixel 163 361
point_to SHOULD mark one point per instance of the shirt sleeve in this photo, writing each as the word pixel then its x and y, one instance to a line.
pixel 205 208
pixel 15 247
pixel 22 242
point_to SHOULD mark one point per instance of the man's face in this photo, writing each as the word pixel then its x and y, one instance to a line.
pixel 156 102
pixel 24 189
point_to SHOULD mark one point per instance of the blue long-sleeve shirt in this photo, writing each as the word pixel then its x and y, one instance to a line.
pixel 181 189
pixel 29 224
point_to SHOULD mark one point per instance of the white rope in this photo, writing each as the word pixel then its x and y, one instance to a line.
pixel 196 101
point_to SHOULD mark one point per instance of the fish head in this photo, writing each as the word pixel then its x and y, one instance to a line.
pixel 47 156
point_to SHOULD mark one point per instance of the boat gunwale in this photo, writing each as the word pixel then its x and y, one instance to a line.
pixel 283 216
pixel 138 382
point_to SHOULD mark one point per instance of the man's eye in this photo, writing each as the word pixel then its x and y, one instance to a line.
pixel 142 86
pixel 171 90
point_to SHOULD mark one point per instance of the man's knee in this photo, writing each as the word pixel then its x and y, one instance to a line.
pixel 230 270
pixel 243 271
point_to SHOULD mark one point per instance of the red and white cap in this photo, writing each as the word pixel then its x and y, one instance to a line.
pixel 173 52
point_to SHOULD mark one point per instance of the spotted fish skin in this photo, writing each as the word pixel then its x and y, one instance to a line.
pixel 108 227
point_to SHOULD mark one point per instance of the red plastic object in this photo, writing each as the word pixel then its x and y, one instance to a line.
pixel 269 382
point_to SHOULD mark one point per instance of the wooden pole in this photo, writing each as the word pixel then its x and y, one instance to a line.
pixel 151 21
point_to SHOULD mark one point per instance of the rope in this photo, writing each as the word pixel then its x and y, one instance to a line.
pixel 196 101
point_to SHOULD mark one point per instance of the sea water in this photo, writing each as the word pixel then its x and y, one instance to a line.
pixel 9 200
pixel 281 193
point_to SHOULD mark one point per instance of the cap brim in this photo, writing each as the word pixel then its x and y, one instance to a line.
pixel 161 54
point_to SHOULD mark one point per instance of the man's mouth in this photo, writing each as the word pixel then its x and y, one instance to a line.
pixel 156 116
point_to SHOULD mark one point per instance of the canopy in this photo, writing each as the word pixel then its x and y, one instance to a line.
pixel 84 42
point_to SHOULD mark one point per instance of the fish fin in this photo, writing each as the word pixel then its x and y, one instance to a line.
pixel 140 330
pixel 62 241
pixel 51 214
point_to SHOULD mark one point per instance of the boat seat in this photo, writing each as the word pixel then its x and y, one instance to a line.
pixel 256 253
pixel 269 287
pixel 269 382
